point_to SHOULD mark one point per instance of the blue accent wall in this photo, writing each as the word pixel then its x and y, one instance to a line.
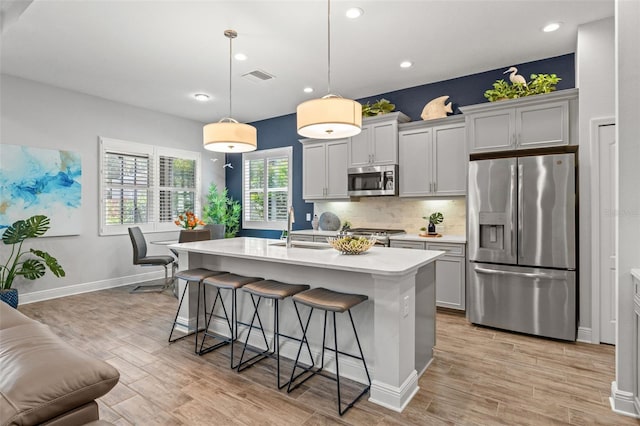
pixel 468 90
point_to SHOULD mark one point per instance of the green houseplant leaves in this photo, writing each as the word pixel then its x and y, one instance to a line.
pixel 17 263
pixel 222 209
pixel 379 107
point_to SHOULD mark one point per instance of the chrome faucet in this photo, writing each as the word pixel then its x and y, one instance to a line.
pixel 290 219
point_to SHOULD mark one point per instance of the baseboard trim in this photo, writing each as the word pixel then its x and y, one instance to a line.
pixel 623 402
pixel 54 293
pixel 585 335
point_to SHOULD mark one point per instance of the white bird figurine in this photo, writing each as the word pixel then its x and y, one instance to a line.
pixel 228 165
pixel 515 78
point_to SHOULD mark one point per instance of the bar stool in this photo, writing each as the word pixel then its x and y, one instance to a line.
pixel 328 300
pixel 230 282
pixel 195 275
pixel 276 291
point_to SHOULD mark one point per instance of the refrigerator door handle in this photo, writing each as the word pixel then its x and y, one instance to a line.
pixel 487 271
pixel 512 219
pixel 520 209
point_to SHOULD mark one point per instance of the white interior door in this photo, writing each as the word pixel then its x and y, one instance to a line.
pixel 608 190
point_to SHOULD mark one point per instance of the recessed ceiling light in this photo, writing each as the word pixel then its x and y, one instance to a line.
pixel 354 12
pixel 551 27
pixel 406 64
pixel 202 97
pixel 240 57
pixel 308 89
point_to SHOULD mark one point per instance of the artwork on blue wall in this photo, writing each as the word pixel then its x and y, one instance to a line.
pixel 41 181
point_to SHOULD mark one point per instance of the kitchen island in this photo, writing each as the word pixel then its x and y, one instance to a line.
pixel 396 325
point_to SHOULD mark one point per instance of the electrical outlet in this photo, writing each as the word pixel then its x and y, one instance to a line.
pixel 405 308
pixel 269 302
pixel 308 217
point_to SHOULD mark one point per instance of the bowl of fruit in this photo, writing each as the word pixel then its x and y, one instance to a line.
pixel 351 244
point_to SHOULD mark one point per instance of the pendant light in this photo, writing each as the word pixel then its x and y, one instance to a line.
pixel 227 135
pixel 332 116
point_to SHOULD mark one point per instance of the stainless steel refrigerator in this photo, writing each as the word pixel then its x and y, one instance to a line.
pixel 522 244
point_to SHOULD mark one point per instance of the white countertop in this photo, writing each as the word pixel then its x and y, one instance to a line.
pixel 458 239
pixel 636 274
pixel 317 233
pixel 377 260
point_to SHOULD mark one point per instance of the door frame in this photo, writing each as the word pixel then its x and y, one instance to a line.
pixel 594 125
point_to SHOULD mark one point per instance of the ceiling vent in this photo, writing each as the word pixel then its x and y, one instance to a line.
pixel 258 76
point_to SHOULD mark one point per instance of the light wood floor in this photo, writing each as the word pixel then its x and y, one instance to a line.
pixel 479 375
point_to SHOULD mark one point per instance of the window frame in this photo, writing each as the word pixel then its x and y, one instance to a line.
pixel 265 155
pixel 154 153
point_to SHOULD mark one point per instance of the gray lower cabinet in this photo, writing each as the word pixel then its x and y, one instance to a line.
pixel 309 238
pixel 432 158
pixel 451 278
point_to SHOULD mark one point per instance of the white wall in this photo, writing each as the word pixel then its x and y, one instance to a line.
pixel 43 116
pixel 595 77
pixel 628 136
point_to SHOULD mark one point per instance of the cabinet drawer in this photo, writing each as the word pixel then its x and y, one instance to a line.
pixel 418 245
pixel 451 249
pixel 297 237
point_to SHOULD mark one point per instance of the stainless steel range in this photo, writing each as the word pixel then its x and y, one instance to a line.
pixel 381 235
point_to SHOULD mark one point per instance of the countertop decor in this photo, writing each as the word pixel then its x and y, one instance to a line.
pixel 329 222
pixel 351 245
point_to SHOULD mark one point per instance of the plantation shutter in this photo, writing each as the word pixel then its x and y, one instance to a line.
pixel 266 188
pixel 177 187
pixel 128 193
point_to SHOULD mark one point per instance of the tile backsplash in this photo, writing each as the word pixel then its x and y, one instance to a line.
pixel 399 213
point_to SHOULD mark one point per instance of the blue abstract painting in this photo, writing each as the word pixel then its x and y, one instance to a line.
pixel 41 181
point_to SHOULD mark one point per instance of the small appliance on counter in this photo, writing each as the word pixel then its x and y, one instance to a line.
pixel 522 244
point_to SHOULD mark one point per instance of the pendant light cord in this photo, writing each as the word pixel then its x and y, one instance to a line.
pixel 329 46
pixel 230 71
pixel 230 34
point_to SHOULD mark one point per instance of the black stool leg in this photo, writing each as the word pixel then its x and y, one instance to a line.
pixel 242 365
pixel 366 389
pixel 224 341
pixel 175 319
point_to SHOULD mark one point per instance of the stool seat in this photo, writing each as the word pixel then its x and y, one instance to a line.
pixel 274 289
pixel 229 281
pixel 196 274
pixel 329 300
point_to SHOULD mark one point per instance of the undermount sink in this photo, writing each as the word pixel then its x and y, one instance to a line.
pixel 298 244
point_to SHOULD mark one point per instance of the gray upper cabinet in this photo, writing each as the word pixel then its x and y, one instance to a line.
pixel 324 169
pixel 530 122
pixel 432 158
pixel 377 143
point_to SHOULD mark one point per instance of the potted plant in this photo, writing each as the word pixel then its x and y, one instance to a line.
pixel 30 264
pixel 539 84
pixel 221 213
pixel 435 219
pixel 379 107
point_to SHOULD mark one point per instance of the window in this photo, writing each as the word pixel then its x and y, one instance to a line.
pixel 266 188
pixel 145 185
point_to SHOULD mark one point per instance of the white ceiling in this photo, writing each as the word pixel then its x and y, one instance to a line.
pixel 157 54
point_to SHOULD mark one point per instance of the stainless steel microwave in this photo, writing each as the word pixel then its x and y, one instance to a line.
pixel 372 181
